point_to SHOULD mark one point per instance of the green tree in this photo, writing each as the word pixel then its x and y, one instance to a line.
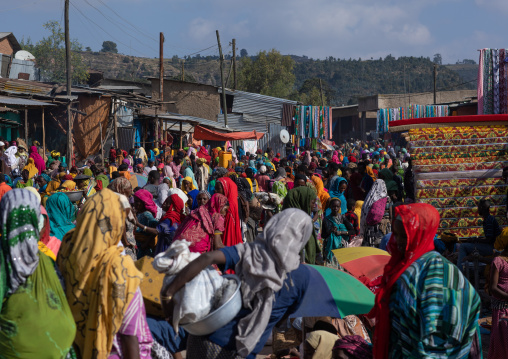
pixel 244 53
pixel 50 56
pixel 109 46
pixel 88 49
pixel 310 92
pixel 269 74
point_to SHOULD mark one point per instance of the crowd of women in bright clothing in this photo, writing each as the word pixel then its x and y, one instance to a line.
pixel 70 284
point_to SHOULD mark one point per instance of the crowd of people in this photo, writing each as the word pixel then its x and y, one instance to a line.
pixel 70 285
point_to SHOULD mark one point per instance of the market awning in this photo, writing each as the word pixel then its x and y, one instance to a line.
pixel 16 101
pixel 448 121
pixel 201 133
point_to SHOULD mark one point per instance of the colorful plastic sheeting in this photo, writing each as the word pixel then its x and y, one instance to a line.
pixel 446 192
pixel 457 212
pixel 458 142
pixel 444 161
pixel 455 149
pixel 460 167
pixel 460 182
pixel 430 156
pixel 463 201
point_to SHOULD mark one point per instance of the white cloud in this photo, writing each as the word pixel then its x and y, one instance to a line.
pixel 493 4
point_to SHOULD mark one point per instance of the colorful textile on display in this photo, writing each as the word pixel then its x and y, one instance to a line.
pixel 492 82
pixel 387 115
pixel 458 150
pixel 313 122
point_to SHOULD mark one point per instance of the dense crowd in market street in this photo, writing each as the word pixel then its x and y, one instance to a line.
pixel 127 256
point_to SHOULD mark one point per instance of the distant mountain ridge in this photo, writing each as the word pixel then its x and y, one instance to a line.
pixel 343 80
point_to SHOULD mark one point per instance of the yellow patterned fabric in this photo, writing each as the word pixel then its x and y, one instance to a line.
pixel 30 167
pixel 100 282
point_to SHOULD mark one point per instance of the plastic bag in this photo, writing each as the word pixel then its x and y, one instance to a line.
pixel 196 299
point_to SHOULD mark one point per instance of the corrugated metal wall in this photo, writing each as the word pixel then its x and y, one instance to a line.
pixel 4 64
pixel 126 137
pixel 270 139
pixel 22 66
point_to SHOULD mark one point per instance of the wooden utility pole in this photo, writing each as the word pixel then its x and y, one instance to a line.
pixel 181 139
pixel 224 105
pixel 183 70
pixel 26 128
pixel 321 91
pixel 235 83
pixel 115 123
pixel 435 80
pixel 69 85
pixel 43 133
pixel 161 86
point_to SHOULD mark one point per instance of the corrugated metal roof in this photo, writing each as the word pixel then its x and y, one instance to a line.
pixel 253 103
pixel 22 102
pixel 24 87
pixel 183 118
pixel 237 121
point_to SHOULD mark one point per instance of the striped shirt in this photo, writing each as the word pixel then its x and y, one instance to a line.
pixel 491 228
pixel 434 311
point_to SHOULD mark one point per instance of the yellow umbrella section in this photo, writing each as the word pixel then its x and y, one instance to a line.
pixel 345 255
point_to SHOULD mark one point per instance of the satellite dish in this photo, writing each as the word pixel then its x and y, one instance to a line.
pixel 24 55
pixel 284 136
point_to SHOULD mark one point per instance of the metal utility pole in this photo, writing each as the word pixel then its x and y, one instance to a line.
pixel 161 86
pixel 435 80
pixel 69 85
pixel 224 106
pixel 235 83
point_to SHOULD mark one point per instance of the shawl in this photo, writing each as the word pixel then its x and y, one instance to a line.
pixel 192 186
pixel 175 210
pixel 34 191
pixel 369 172
pixel 100 282
pixel 61 214
pixel 387 175
pixel 301 198
pixel 320 187
pixel 187 172
pixel 120 185
pixel 38 160
pixel 421 221
pixel 263 267
pixel 141 154
pixel 104 179
pixel 232 232
pixel 9 156
pixel 358 208
pixel 180 194
pixel 69 185
pixel 168 172
pixel 355 346
pixel 194 195
pixel 146 197
pixel 202 177
pixel 203 153
pixel 334 192
pixel 32 170
pixel 19 219
pixel 377 192
pixel 176 169
pixel 263 181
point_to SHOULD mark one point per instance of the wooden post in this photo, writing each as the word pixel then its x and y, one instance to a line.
pixel 68 69
pixel 115 124
pixel 161 87
pixel 26 128
pixel 102 143
pixel 183 70
pixel 435 78
pixel 144 133
pixel 224 105
pixel 43 133
pixel 181 139
pixel 234 65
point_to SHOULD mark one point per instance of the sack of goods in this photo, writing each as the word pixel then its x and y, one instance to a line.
pixel 203 294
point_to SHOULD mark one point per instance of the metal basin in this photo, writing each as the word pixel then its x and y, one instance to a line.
pixel 74 196
pixel 221 316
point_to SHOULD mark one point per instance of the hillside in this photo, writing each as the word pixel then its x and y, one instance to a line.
pixel 343 80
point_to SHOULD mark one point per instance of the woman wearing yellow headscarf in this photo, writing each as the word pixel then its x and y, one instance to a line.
pixel 188 185
pixel 358 208
pixel 322 194
pixel 32 170
pixel 102 285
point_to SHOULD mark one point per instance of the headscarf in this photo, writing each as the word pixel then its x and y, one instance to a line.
pixel 355 346
pixel 34 191
pixel 358 209
pixel 301 198
pixel 334 192
pixel 187 172
pixel 168 172
pixel 100 282
pixel 233 232
pixel 377 192
pixel 421 221
pixel 146 197
pixel 180 194
pixel 320 187
pixel 175 210
pixel 9 156
pixel 120 185
pixel 280 174
pixel 19 219
pixel 61 214
pixel 274 254
pixel 103 179
pixel 32 170
pixel 194 195
pixel 69 185
pixel 322 342
pixel 369 172
pixel 192 187
pixel 203 153
pixel 387 174
pixel 38 160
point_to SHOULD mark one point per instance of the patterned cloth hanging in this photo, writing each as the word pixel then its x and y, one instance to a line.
pixel 385 116
pixel 493 82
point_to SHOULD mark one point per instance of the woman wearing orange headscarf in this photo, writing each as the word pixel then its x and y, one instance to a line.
pixel 425 308
pixel 322 194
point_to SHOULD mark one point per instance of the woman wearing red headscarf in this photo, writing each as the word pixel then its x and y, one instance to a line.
pixel 39 161
pixel 169 223
pixel 425 308
pixel 232 226
pixel 205 225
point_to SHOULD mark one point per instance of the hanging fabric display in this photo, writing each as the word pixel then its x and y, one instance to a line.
pixel 386 115
pixel 493 82
pixel 313 122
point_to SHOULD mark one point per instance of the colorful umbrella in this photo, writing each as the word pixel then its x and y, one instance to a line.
pixel 333 293
pixel 142 180
pixel 362 261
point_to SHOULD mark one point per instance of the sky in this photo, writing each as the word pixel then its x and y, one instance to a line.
pixel 314 28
